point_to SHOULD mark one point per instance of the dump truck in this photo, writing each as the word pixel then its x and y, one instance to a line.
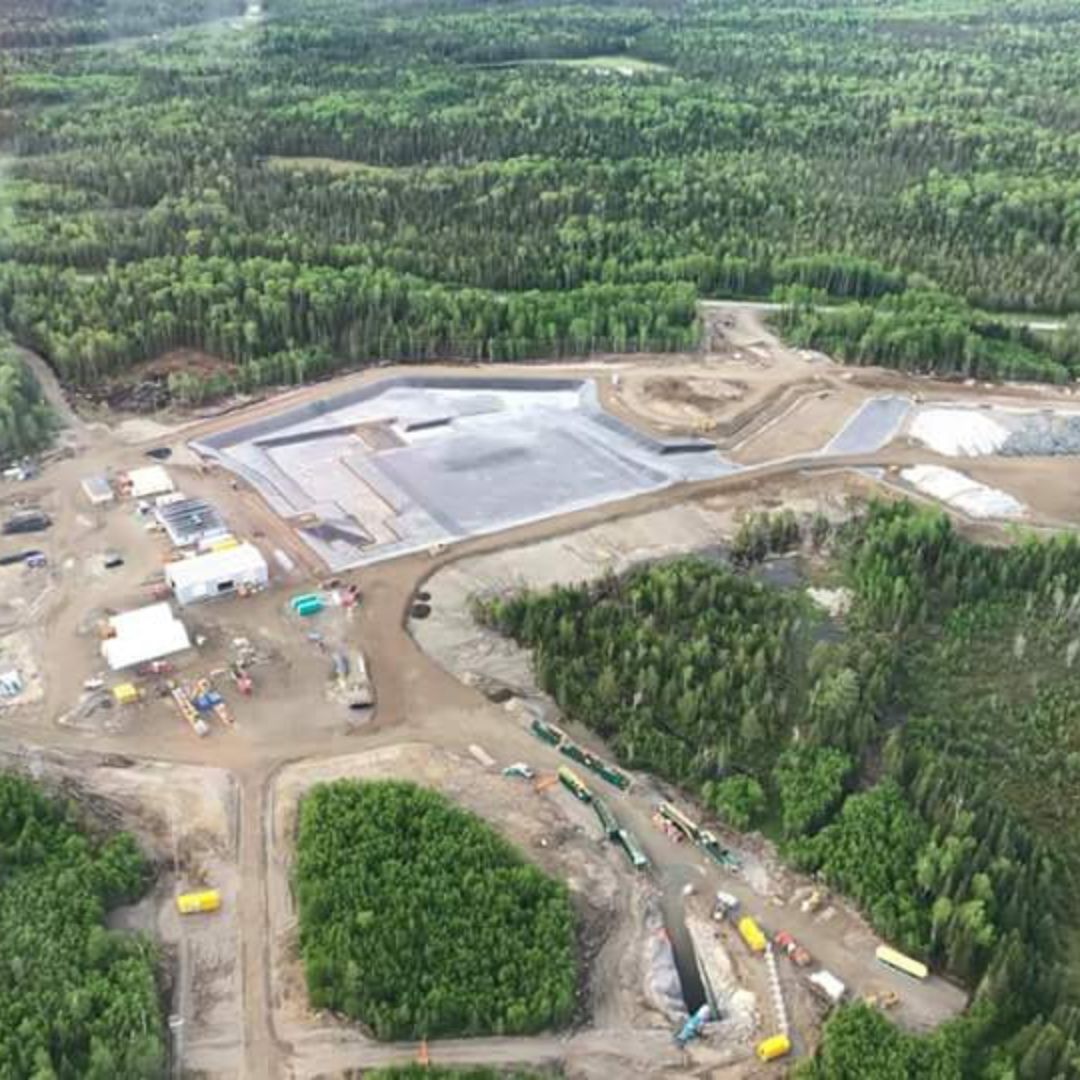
pixel 194 903
pixel 752 934
pixel 574 784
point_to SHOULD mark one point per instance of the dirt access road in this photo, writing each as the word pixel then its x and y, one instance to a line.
pixel 418 701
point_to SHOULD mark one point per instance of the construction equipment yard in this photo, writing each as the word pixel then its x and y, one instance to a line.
pixel 389 676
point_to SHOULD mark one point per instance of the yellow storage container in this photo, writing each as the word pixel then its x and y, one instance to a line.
pixel 194 902
pixel 125 693
pixel 752 934
pixel 891 958
pixel 776 1046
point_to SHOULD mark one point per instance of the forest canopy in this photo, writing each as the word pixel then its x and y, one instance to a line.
pixel 924 760
pixel 419 920
pixel 26 421
pixel 77 1001
pixel 341 181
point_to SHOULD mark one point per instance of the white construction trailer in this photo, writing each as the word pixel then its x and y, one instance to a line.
pixel 217 573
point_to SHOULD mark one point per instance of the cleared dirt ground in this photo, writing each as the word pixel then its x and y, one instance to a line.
pixel 228 796
pixel 837 936
pixel 554 831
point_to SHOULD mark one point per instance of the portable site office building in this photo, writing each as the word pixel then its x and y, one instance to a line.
pixel 217 573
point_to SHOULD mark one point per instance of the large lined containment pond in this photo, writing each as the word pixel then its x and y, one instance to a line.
pixel 405 463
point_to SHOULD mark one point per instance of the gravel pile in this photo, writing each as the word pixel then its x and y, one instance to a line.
pixel 1044 435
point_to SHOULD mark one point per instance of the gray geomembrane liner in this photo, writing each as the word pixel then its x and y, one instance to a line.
pixel 405 463
pixel 874 424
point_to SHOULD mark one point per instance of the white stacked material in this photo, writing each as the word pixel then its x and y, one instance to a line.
pixel 958 432
pixel 142 635
pixel 967 495
pixel 152 480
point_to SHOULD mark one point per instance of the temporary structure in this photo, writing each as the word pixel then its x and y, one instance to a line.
pixel 217 573
pixel 142 635
pixel 190 521
pixel 98 490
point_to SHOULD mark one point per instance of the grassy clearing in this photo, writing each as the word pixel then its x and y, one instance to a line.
pixel 333 165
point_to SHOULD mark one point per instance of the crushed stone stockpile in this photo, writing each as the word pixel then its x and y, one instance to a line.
pixel 967 495
pixel 1042 435
pixel 966 432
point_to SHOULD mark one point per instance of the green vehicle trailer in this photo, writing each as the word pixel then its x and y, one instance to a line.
pixel 575 753
pixel 607 818
pixel 712 846
pixel 546 733
pixel 574 784
pixel 633 851
pixel 597 765
pixel 612 775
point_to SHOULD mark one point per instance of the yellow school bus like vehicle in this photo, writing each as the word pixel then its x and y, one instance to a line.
pixel 891 958
pixel 776 1046
pixel 752 934
pixel 193 903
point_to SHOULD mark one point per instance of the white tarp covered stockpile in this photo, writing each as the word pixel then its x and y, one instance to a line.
pixel 142 635
pixel 958 432
pixel 217 573
pixel 952 487
pixel 148 481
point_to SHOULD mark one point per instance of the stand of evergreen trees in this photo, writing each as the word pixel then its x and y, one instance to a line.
pixel 926 764
pixel 420 921
pixel 27 423
pixel 77 1001
pixel 353 180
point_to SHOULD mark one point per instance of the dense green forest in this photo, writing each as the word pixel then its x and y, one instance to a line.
pixel 924 331
pixel 77 1002
pixel 26 421
pixel 924 762
pixel 419 920
pixel 344 180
